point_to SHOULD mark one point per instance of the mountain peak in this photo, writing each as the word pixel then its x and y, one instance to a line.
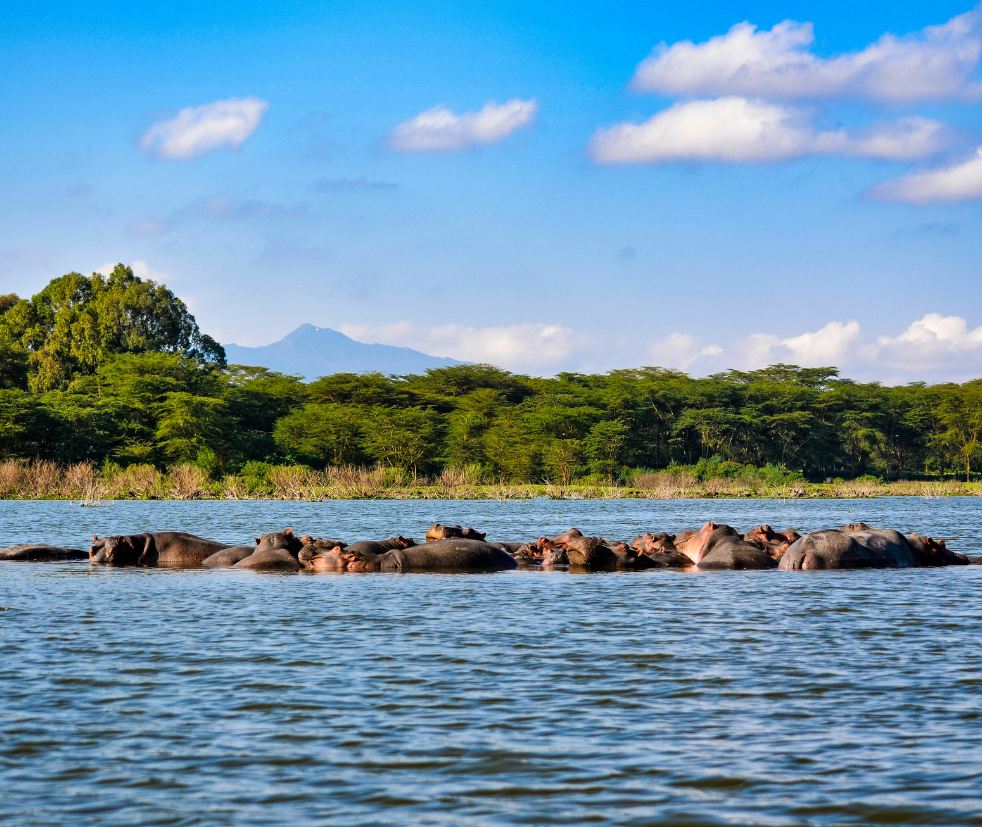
pixel 319 351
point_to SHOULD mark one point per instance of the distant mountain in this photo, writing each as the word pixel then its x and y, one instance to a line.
pixel 318 351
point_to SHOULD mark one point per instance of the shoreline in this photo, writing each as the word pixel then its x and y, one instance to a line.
pixel 517 492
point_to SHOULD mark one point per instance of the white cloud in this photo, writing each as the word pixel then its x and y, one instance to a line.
pixel 199 129
pixel 735 129
pixel 959 182
pixel 933 348
pixel 679 351
pixel 440 130
pixel 936 62
pixel 516 347
pixel 140 269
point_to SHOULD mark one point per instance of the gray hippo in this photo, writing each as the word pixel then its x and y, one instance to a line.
pixel 452 532
pixel 661 549
pixel 931 552
pixel 322 555
pixel 590 553
pixel 228 556
pixel 773 542
pixel 445 555
pixel 630 559
pixel 720 547
pixel 160 548
pixel 41 553
pixel 276 551
pixel 381 546
pixel 857 546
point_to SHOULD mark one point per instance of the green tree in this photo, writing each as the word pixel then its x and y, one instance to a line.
pixel 320 435
pixel 606 446
pixel 405 439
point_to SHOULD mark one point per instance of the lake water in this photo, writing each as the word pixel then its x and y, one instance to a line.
pixel 162 697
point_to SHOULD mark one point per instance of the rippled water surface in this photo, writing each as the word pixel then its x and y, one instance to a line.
pixel 139 697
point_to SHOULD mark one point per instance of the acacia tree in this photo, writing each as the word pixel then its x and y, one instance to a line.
pixel 77 322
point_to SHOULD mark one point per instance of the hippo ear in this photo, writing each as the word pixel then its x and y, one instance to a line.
pixel 288 531
pixel 95 538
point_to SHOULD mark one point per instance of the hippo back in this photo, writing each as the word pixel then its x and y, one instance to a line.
pixel 41 553
pixel 838 549
pixel 448 555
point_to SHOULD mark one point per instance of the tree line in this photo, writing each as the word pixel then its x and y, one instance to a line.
pixel 114 369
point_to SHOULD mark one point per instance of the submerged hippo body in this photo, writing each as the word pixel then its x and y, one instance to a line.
pixel 276 551
pixel 773 542
pixel 591 553
pixel 381 546
pixel 452 532
pixel 174 549
pixel 720 547
pixel 321 555
pixel 227 557
pixel 874 548
pixel 447 555
pixel 41 553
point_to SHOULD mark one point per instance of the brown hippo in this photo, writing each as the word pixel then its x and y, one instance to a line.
pixel 854 546
pixel 380 546
pixel 590 553
pixel 228 557
pixel 661 548
pixel 161 548
pixel 524 555
pixel 630 559
pixel 931 552
pixel 720 547
pixel 321 555
pixel 276 551
pixel 41 553
pixel 446 555
pixel 773 542
pixel 451 532
pixel 511 548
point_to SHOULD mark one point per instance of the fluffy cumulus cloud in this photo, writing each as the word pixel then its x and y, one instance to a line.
pixel 957 182
pixel 198 130
pixel 935 63
pixel 440 130
pixel 524 347
pixel 933 348
pixel 735 129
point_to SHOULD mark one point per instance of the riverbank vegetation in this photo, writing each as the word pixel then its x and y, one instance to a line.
pixel 108 389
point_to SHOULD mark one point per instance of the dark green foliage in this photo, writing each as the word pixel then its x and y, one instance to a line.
pixel 114 369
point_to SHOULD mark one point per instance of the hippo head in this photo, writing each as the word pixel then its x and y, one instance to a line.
pixel 472 534
pixel 284 539
pixel 855 527
pixel 123 550
pixel 404 542
pixel 694 545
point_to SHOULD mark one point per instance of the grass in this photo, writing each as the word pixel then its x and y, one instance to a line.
pixel 41 479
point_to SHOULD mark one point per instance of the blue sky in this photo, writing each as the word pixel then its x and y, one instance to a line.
pixel 526 184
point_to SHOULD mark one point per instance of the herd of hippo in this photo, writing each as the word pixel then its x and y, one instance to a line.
pixel 456 549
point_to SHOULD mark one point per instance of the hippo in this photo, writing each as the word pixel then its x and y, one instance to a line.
pixel 321 555
pixel 227 557
pixel 380 546
pixel 524 555
pixel 590 553
pixel 511 548
pixel 773 542
pixel 661 549
pixel 630 559
pixel 851 547
pixel 720 547
pixel 451 532
pixel 276 551
pixel 160 548
pixel 41 553
pixel 931 552
pixel 457 554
